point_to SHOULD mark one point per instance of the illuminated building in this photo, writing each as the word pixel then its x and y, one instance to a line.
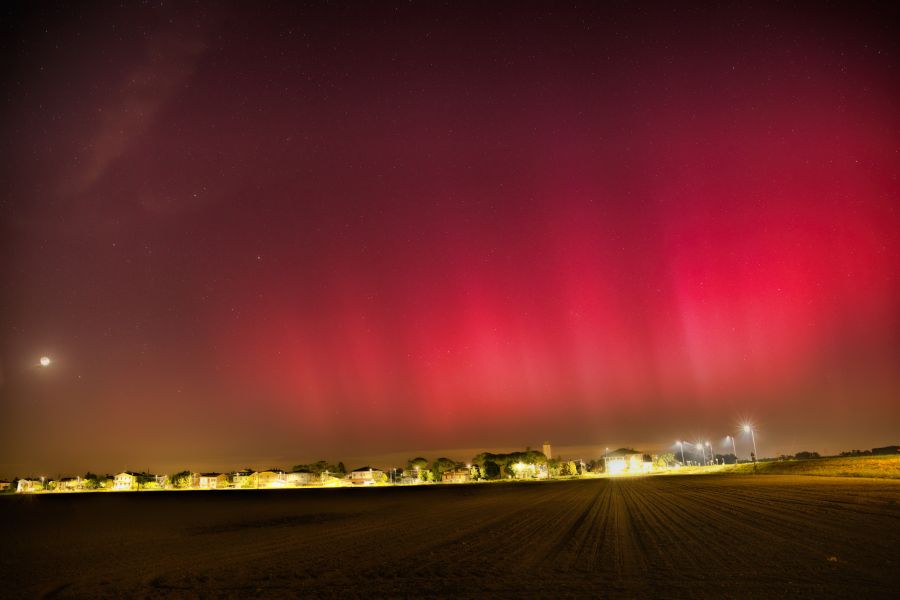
pixel 126 480
pixel 623 462
pixel 366 476
pixel 212 481
pixel 458 475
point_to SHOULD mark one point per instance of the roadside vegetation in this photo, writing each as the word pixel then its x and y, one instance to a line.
pixel 885 467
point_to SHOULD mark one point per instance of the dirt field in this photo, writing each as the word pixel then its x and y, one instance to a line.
pixel 656 537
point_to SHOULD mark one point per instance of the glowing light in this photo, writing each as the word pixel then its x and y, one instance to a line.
pixel 45 361
pixel 747 428
pixel 616 466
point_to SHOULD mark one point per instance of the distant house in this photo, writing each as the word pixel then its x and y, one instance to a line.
pixel 459 475
pixel 271 479
pixel 29 485
pixel 211 481
pixel 303 477
pixel 126 480
pixel 4 485
pixel 366 476
pixel 626 461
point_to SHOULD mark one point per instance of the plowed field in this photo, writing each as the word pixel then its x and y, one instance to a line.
pixel 655 537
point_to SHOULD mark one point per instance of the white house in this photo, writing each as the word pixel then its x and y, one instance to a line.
pixel 210 481
pixel 366 476
pixel 126 480
pixel 623 462
pixel 29 485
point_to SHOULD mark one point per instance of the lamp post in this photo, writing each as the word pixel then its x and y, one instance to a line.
pixel 681 445
pixel 733 447
pixel 748 428
pixel 710 452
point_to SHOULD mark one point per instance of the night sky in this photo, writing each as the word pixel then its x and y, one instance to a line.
pixel 252 236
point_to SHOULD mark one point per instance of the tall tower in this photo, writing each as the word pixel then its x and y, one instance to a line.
pixel 547 450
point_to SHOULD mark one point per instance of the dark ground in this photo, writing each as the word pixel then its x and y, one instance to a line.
pixel 656 537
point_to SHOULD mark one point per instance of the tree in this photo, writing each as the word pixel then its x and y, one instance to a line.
pixel 553 465
pixel 726 459
pixel 665 460
pixel 320 466
pixel 91 481
pixel 143 479
pixel 417 462
pixel 441 465
pixel 491 470
pixel 806 455
pixel 181 480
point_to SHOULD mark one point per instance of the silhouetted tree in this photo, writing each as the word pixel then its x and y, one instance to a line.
pixel 441 465
pixel 91 481
pixel 419 462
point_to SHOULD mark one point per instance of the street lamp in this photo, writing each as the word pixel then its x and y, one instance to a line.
pixel 733 446
pixel 681 445
pixel 749 429
pixel 710 453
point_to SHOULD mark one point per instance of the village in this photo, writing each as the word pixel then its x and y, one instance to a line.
pixel 485 467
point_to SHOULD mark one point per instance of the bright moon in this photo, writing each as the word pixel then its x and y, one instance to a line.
pixel 45 361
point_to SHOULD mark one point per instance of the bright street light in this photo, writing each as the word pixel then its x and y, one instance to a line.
pixel 45 361
pixel 749 429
